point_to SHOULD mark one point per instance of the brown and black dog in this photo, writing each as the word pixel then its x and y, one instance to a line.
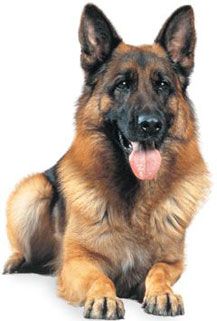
pixel 110 217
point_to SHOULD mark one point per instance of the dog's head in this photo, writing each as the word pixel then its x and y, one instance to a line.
pixel 137 96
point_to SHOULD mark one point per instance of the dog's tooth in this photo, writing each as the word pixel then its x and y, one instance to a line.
pixel 136 146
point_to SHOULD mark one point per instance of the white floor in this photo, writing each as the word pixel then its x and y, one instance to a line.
pixel 33 297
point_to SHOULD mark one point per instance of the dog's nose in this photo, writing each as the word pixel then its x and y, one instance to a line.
pixel 151 124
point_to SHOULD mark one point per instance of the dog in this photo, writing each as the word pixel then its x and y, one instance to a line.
pixel 109 219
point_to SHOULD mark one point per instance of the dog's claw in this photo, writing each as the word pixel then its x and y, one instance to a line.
pixel 167 304
pixel 104 308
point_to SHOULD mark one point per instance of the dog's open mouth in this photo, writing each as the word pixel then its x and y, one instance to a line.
pixel 144 162
pixel 125 143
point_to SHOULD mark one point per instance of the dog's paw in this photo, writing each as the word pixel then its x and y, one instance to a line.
pixel 164 304
pixel 13 264
pixel 104 308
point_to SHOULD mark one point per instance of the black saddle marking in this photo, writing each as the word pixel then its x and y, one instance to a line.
pixel 52 178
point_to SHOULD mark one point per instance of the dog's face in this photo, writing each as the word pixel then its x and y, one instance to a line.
pixel 139 93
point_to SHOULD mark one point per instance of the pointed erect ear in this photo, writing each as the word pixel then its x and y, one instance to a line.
pixel 98 38
pixel 177 37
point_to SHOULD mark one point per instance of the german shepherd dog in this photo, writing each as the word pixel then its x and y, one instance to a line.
pixel 110 217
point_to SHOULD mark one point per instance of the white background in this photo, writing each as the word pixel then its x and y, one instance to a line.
pixel 40 81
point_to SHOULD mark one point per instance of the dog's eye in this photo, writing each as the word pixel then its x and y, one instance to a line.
pixel 123 85
pixel 162 86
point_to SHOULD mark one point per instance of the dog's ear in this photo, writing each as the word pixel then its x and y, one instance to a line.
pixel 178 38
pixel 97 36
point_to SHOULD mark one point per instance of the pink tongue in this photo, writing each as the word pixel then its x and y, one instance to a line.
pixel 144 164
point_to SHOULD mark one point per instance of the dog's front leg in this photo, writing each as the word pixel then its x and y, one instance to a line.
pixel 81 281
pixel 159 297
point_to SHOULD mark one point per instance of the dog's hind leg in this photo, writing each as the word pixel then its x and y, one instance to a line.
pixel 29 226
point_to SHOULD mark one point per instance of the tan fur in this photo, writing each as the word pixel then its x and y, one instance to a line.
pixel 28 220
pixel 95 245
pixel 106 248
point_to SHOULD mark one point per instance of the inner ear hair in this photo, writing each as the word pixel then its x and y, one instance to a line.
pixel 178 38
pixel 98 38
